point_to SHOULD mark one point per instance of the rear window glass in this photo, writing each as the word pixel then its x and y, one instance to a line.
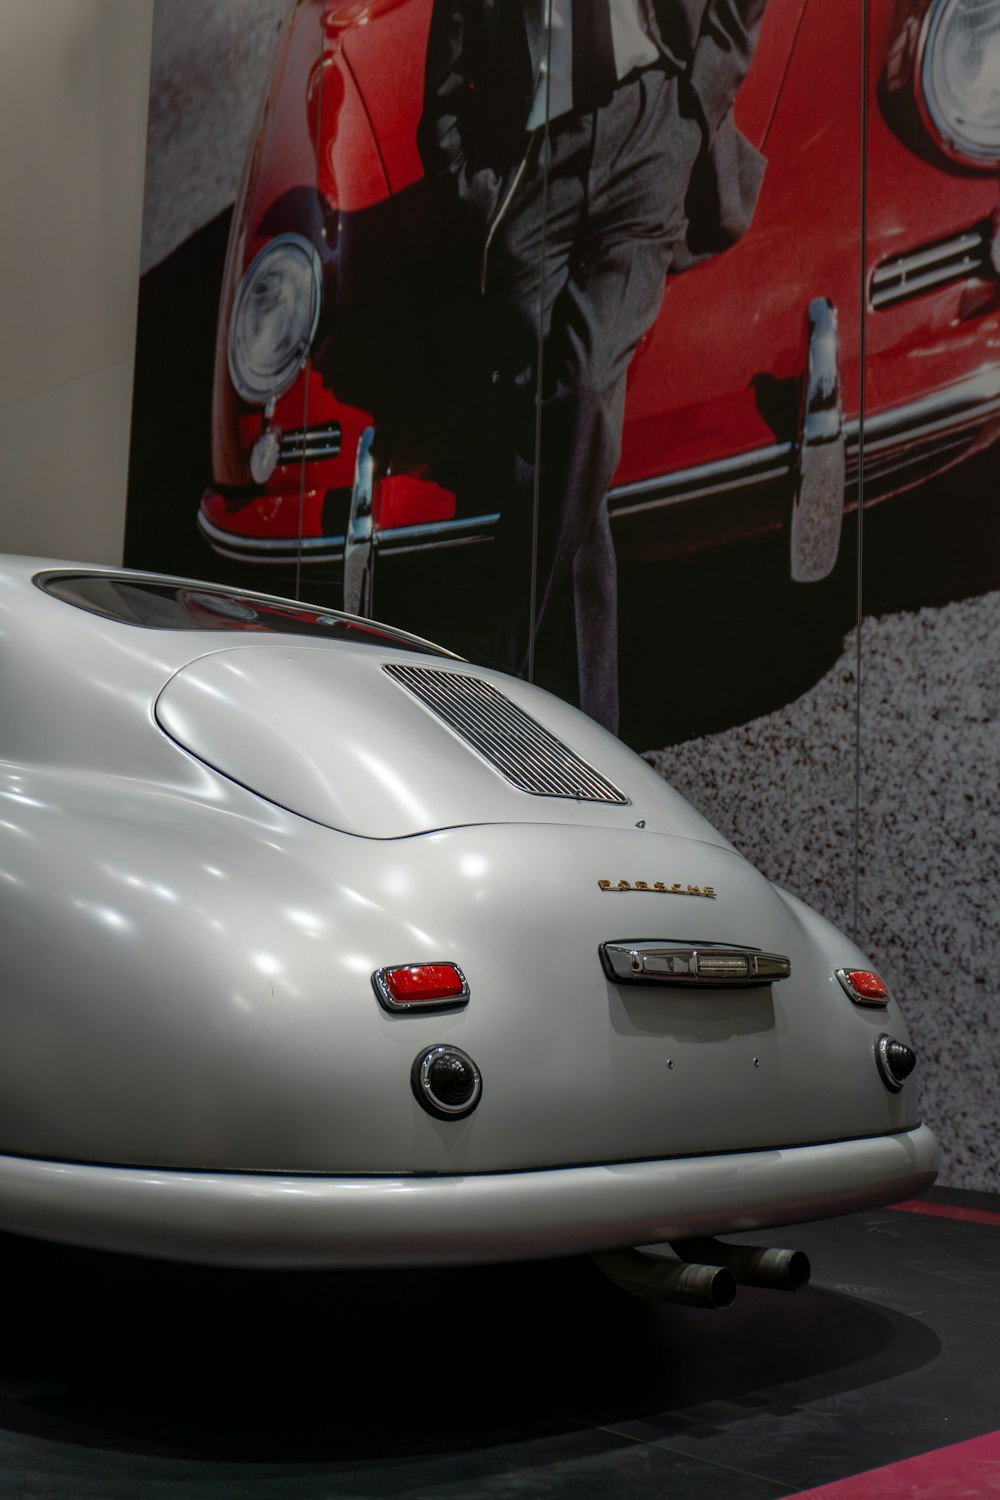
pixel 160 604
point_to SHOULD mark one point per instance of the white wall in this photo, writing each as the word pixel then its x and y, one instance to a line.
pixel 74 85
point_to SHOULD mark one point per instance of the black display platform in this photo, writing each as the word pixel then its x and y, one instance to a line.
pixel 134 1380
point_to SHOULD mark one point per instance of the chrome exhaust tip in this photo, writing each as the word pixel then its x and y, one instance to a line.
pixel 658 1279
pixel 751 1265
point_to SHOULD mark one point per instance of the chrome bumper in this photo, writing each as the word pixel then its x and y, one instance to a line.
pixel 902 447
pixel 929 433
pixel 270 550
pixel 242 1219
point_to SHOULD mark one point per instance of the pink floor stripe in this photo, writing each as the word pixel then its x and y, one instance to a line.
pixel 947 1211
pixel 964 1471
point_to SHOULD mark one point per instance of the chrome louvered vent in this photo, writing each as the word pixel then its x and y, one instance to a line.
pixel 310 443
pixel 932 266
pixel 522 750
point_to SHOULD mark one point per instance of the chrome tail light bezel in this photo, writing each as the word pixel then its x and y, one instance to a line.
pixel 893 1080
pixel 390 1002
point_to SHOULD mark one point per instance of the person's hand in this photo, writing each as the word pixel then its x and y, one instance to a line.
pixel 478 191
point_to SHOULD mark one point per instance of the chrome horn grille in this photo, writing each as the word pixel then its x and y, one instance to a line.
pixel 310 443
pixel 930 266
pixel 518 746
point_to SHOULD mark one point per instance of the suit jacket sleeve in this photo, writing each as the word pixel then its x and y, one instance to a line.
pixel 722 55
pixel 727 177
pixel 446 90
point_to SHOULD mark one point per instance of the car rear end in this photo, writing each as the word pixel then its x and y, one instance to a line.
pixel 397 962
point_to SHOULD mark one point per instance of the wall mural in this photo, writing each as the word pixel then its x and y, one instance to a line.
pixel 592 348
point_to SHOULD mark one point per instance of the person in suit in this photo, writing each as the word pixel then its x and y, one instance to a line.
pixel 583 149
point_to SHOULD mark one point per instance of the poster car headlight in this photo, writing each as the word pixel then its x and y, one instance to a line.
pixel 959 78
pixel 274 318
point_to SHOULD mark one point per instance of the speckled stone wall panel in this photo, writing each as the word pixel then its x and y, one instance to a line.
pixel 211 60
pixel 783 789
pixel 929 852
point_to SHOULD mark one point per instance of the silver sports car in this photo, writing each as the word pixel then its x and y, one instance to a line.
pixel 321 947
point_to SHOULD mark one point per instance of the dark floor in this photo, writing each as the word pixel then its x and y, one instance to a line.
pixel 129 1380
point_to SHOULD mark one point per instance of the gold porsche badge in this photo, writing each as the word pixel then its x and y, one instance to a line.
pixel 658 886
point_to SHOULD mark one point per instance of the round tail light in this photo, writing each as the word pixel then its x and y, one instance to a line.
pixel 446 1082
pixel 895 1061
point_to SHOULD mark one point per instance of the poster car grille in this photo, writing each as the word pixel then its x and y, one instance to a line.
pixel 518 746
pixel 310 443
pixel 903 277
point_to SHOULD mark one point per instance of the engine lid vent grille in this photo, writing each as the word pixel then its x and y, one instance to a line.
pixel 521 749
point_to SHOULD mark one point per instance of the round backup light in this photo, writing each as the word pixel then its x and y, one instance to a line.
pixel 446 1082
pixel 959 79
pixel 896 1061
pixel 274 318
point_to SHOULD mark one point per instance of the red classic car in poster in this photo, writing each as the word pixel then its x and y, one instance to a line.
pixel 332 403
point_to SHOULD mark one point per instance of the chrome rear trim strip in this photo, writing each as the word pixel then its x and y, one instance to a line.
pixel 707 965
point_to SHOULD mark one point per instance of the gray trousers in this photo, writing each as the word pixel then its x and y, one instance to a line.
pixel 584 279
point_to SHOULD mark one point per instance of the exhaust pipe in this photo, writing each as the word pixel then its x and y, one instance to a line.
pixel 662 1280
pixel 751 1265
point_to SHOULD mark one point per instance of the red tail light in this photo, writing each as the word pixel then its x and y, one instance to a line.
pixel 864 986
pixel 423 986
